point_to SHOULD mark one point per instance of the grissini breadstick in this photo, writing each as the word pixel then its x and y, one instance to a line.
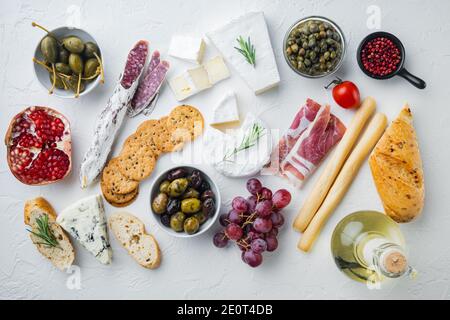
pixel 320 189
pixel 345 178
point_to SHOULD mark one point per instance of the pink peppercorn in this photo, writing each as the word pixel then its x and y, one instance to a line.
pixel 380 56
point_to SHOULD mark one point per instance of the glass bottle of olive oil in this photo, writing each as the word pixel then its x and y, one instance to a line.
pixel 368 246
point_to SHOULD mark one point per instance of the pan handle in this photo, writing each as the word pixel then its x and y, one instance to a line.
pixel 415 81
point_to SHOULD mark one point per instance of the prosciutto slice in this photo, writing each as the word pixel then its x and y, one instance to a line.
pixel 312 146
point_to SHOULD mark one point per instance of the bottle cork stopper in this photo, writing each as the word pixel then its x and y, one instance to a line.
pixel 395 262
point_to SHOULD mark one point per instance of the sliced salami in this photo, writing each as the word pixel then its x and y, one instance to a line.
pixel 135 63
pixel 148 88
pixel 111 118
pixel 154 61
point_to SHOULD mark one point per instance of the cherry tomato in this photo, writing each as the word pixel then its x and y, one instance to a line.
pixel 345 93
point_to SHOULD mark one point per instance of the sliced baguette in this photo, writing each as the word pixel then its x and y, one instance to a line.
pixel 397 169
pixel 130 232
pixel 62 257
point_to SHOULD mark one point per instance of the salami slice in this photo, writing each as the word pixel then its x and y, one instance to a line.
pixel 148 88
pixel 135 63
pixel 111 118
pixel 154 61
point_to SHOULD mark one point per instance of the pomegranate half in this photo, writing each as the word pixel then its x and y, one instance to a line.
pixel 38 145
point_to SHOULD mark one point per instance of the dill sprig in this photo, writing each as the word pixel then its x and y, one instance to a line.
pixel 249 140
pixel 247 49
pixel 44 233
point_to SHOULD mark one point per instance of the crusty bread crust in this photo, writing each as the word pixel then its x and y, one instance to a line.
pixel 130 232
pixel 61 257
pixel 397 169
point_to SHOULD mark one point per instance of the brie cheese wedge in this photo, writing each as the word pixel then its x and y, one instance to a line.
pixel 226 112
pixel 264 75
pixel 220 149
pixel 85 221
pixel 187 48
pixel 216 69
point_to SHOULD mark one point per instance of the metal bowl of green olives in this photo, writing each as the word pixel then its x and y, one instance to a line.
pixel 184 201
pixel 75 39
pixel 314 47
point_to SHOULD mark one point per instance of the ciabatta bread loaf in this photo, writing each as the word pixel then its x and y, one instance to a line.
pixel 397 169
pixel 39 213
pixel 130 232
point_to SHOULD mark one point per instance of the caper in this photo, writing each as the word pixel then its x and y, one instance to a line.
pixel 333 55
pixel 326 55
pixel 313 27
pixel 323 34
pixel 64 55
pixel 312 43
pixel 72 83
pixel 76 63
pixel 307 62
pixel 302 52
pixel 305 45
pixel 90 67
pixel 73 44
pixel 289 51
pixel 89 49
pixel 58 83
pixel 49 49
pixel 294 48
pixel 63 68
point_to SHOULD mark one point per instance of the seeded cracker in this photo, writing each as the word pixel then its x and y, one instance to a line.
pixel 115 181
pixel 185 123
pixel 117 199
pixel 137 164
pixel 158 132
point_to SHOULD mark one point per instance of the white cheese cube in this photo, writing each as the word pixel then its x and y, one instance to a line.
pixel 187 48
pixel 217 70
pixel 264 75
pixel 226 112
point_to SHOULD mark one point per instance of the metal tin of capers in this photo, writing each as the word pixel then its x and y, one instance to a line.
pixel 314 47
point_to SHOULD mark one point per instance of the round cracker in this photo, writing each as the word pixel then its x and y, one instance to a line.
pixel 157 131
pixel 185 124
pixel 137 141
pixel 117 198
pixel 125 204
pixel 137 164
pixel 116 181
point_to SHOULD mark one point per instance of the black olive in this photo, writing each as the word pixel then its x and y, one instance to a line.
pixel 195 179
pixel 173 206
pixel 207 194
pixel 176 174
pixel 204 186
pixel 208 207
pixel 165 220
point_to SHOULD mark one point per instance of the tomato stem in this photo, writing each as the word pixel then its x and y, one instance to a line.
pixel 335 82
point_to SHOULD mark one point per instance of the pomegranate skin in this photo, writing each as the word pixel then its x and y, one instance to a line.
pixel 65 144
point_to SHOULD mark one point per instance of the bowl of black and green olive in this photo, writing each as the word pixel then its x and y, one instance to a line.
pixel 185 201
pixel 314 47
pixel 68 62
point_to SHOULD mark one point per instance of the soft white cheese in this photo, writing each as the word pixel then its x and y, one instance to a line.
pixel 219 148
pixel 264 75
pixel 226 111
pixel 187 48
pixel 216 69
pixel 85 221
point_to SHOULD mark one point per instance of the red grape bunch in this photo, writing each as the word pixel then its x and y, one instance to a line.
pixel 253 223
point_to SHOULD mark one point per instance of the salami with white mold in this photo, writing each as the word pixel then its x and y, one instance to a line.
pixel 111 118
pixel 148 87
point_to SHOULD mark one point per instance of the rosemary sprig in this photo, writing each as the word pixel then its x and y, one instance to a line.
pixel 249 140
pixel 44 233
pixel 247 49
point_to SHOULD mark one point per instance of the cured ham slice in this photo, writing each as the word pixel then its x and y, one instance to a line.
pixel 313 145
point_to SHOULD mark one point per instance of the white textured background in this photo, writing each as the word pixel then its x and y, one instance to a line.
pixel 194 268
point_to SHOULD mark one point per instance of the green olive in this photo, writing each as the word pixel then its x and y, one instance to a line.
pixel 201 217
pixel 177 187
pixel 191 225
pixel 63 68
pixel 58 83
pixel 89 49
pixel 49 49
pixel 76 63
pixel 159 204
pixel 191 205
pixel 191 193
pixel 177 221
pixel 90 67
pixel 164 186
pixel 64 55
pixel 73 44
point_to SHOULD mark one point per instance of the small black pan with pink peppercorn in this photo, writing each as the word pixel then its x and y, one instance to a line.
pixel 381 55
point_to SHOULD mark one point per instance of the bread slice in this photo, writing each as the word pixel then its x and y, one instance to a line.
pixel 397 169
pixel 61 256
pixel 130 232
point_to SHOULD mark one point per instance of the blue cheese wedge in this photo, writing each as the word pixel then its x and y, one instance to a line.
pixel 264 75
pixel 226 112
pixel 85 221
pixel 187 48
